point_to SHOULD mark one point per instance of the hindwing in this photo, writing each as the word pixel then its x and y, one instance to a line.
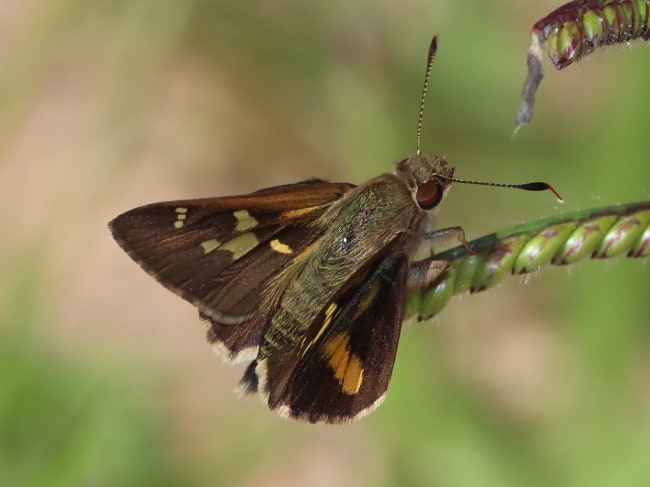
pixel 341 367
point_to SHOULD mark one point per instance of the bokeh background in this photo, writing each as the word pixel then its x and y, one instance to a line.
pixel 105 377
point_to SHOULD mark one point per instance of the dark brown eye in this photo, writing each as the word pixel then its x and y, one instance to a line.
pixel 429 195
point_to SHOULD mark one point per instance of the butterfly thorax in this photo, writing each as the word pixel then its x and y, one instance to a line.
pixel 354 230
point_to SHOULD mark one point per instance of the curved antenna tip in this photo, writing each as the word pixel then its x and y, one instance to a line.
pixel 534 186
pixel 542 186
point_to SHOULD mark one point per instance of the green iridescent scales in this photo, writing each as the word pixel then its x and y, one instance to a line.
pixel 598 233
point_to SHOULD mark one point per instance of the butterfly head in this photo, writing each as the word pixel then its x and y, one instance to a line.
pixel 427 178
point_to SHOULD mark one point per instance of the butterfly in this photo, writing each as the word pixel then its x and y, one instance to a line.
pixel 307 281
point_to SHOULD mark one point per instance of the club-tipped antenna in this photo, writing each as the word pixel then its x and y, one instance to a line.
pixel 431 57
pixel 534 186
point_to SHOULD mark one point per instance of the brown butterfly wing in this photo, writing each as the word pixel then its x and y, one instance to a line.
pixel 340 370
pixel 219 253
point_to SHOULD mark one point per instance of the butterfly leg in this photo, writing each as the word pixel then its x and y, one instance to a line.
pixel 424 272
pixel 444 234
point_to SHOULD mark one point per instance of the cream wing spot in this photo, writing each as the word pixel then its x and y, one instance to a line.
pixel 210 245
pixel 329 314
pixel 240 245
pixel 181 215
pixel 281 247
pixel 244 220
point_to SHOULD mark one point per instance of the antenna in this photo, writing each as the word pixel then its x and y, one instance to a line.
pixel 431 57
pixel 535 186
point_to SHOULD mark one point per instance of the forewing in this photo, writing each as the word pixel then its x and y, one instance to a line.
pixel 219 253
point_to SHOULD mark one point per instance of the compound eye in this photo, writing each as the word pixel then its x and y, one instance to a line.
pixel 429 195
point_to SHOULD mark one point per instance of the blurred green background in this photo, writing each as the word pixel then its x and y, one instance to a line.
pixel 105 376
